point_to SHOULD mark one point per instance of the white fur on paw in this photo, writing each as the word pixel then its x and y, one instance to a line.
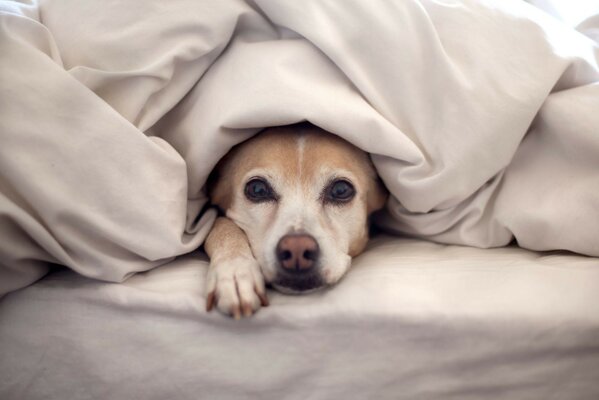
pixel 236 287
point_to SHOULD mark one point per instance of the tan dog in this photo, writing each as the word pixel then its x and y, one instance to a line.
pixel 297 201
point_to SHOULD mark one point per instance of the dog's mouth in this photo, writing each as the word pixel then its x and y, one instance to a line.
pixel 295 284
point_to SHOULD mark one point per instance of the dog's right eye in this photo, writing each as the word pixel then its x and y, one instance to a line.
pixel 258 190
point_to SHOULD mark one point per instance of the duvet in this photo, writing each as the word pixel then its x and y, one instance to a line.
pixel 481 118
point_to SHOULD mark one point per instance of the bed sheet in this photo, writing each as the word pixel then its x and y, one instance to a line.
pixel 411 320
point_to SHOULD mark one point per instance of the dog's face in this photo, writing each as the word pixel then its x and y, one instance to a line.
pixel 302 196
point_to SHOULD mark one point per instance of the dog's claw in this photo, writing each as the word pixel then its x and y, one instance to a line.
pixel 236 312
pixel 247 309
pixel 210 300
pixel 263 299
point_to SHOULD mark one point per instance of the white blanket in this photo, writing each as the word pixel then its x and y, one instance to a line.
pixel 481 117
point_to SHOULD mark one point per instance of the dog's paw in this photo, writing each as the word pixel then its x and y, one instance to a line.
pixel 235 287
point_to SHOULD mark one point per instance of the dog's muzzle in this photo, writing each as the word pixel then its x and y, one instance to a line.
pixel 297 257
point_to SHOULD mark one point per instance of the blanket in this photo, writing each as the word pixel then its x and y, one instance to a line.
pixel 480 116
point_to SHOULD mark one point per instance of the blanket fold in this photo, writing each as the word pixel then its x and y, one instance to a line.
pixel 480 118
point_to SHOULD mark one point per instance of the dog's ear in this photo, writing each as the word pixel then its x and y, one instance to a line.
pixel 377 192
pixel 219 186
pixel 377 195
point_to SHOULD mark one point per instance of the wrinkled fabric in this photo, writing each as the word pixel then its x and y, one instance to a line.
pixel 480 117
pixel 411 320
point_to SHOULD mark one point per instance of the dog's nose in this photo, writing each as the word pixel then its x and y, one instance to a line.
pixel 297 253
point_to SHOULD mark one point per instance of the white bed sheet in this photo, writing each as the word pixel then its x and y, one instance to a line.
pixel 412 320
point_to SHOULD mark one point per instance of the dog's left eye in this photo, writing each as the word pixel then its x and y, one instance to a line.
pixel 340 191
pixel 258 190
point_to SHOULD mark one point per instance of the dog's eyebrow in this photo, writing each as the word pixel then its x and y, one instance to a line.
pixel 258 173
pixel 340 173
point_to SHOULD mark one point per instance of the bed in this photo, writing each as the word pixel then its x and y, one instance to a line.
pixel 412 320
pixel 480 117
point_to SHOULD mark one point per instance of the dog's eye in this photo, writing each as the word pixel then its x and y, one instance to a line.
pixel 258 190
pixel 340 191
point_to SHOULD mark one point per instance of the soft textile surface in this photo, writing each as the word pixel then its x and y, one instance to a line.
pixel 113 113
pixel 411 320
pixel 581 14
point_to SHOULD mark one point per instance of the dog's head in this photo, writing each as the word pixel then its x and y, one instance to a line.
pixel 303 197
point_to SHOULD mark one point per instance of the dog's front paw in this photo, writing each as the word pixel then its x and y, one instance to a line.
pixel 236 287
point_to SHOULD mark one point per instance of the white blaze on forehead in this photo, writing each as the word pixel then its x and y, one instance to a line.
pixel 301 142
pixel 297 203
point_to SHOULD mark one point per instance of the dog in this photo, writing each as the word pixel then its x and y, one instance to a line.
pixel 296 202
